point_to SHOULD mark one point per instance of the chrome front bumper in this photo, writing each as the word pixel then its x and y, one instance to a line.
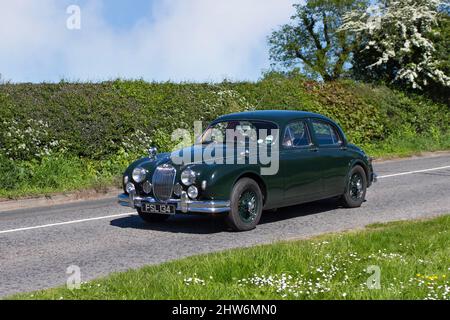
pixel 184 204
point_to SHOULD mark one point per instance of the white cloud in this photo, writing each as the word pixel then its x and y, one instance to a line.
pixel 181 40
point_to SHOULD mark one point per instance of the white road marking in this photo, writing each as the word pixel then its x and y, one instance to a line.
pixel 68 222
pixel 411 172
pixel 133 213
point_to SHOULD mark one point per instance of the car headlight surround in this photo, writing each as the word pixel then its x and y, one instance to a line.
pixel 177 189
pixel 188 177
pixel 139 174
pixel 192 192
pixel 147 187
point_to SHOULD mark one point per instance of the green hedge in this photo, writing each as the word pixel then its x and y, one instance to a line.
pixel 66 136
pixel 97 121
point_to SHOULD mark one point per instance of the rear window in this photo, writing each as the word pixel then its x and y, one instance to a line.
pixel 296 135
pixel 325 133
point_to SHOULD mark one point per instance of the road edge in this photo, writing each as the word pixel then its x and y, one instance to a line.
pixel 56 199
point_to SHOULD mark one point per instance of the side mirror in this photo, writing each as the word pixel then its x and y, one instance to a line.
pixel 152 152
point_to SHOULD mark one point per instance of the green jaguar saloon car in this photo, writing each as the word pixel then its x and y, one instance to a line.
pixel 245 163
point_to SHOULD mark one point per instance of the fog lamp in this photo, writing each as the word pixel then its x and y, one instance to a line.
pixel 130 188
pixel 192 192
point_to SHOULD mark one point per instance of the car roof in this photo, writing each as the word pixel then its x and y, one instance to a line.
pixel 278 116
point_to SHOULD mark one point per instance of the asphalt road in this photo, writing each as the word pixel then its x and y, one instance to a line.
pixel 37 245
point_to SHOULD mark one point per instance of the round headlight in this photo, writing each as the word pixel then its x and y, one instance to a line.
pixel 188 177
pixel 139 174
pixel 192 192
pixel 147 187
pixel 130 188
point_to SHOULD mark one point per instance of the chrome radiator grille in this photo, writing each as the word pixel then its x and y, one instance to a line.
pixel 163 181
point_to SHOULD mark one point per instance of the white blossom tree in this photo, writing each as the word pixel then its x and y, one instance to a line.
pixel 395 40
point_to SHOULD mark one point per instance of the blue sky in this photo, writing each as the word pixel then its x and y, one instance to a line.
pixel 156 40
pixel 122 14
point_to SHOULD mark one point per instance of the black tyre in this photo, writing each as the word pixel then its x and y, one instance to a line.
pixel 152 217
pixel 355 191
pixel 246 205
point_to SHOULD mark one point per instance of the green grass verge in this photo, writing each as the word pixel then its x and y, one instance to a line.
pixel 413 259
pixel 53 175
pixel 408 144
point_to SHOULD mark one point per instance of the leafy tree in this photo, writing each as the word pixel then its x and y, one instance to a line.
pixel 397 43
pixel 312 41
pixel 441 39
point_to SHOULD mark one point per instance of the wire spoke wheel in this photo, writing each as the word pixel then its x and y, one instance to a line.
pixel 248 206
pixel 356 186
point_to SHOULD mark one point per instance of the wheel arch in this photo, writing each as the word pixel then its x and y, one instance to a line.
pixel 258 180
pixel 359 162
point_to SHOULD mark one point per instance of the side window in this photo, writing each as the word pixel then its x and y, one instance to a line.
pixel 296 135
pixel 325 133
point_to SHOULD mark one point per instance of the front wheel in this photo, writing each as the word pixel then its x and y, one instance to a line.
pixel 246 205
pixel 152 217
pixel 355 192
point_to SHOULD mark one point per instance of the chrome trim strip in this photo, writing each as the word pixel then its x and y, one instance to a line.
pixel 183 205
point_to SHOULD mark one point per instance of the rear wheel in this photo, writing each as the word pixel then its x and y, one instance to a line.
pixel 152 217
pixel 246 205
pixel 355 192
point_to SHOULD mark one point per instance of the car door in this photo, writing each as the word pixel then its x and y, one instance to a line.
pixel 333 159
pixel 298 162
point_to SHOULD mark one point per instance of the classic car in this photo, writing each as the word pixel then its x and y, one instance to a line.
pixel 315 161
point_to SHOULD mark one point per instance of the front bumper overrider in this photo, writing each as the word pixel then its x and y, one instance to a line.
pixel 184 204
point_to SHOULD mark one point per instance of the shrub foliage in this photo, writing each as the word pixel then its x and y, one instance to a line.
pixel 96 121
pixel 109 123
